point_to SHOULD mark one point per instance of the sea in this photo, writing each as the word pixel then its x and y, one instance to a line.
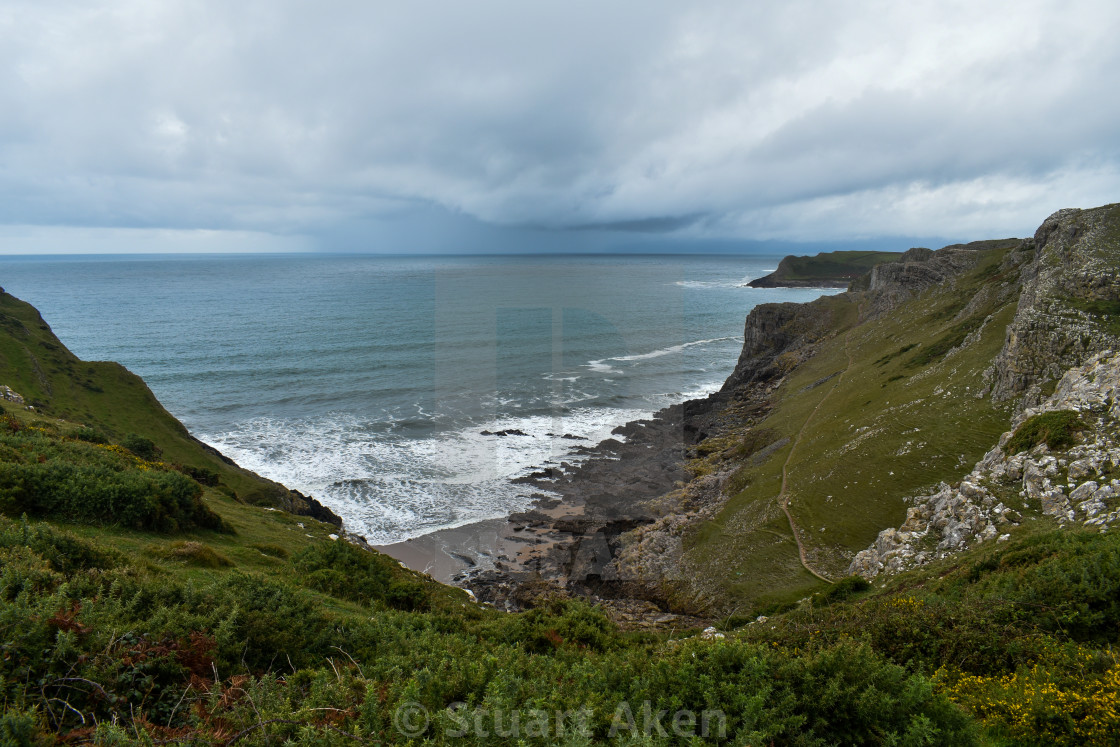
pixel 372 382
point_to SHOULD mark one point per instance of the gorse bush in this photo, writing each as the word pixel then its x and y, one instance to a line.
pixel 47 476
pixel 142 447
pixel 90 435
pixel 204 660
pixel 348 572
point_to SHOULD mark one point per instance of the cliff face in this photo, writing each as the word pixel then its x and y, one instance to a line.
pixel 1063 334
pixel 1069 304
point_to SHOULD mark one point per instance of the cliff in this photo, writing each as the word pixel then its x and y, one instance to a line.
pixel 837 413
pixel 825 270
pixel 109 400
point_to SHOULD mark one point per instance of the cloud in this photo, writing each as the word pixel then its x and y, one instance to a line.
pixel 800 120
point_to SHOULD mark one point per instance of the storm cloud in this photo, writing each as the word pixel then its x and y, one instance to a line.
pixel 317 123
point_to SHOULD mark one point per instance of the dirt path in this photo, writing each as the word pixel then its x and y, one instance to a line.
pixel 783 496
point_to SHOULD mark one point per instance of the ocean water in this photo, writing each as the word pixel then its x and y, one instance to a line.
pixel 368 381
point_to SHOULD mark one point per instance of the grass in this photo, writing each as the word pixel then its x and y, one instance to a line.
pixel 1056 429
pixel 832 265
pixel 101 400
pixel 867 447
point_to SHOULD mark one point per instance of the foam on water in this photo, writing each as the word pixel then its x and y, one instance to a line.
pixel 666 351
pixel 389 487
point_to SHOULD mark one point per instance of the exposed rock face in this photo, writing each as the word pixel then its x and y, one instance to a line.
pixel 1072 268
pixel 1038 482
pixel 7 394
pixel 777 337
pixel 894 283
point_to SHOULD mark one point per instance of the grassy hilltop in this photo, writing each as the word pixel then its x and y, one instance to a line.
pixel 825 270
pixel 193 611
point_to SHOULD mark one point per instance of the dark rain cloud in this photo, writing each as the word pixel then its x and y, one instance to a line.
pixel 800 120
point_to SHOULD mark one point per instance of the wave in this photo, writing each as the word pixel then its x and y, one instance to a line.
pixel 390 488
pixel 722 283
pixel 668 351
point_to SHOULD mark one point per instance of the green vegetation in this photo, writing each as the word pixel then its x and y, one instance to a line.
pixel 1019 634
pixel 882 430
pixel 43 473
pixel 104 402
pixel 938 348
pixel 1056 429
pixel 828 268
pixel 829 265
pixel 103 647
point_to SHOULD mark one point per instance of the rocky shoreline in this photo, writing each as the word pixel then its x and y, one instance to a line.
pixel 566 540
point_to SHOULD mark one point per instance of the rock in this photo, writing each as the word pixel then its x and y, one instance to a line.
pixel 8 394
pixel 1083 492
pixel 711 634
pixel 1080 469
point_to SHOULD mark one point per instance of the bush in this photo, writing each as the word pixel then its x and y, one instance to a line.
pixel 845 588
pixel 141 447
pixel 201 475
pixel 90 435
pixel 348 572
pixel 562 622
pixel 152 499
pixel 1055 429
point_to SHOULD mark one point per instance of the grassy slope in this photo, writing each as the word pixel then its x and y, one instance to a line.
pixel 903 407
pixel 831 265
pixel 253 527
pixel 105 396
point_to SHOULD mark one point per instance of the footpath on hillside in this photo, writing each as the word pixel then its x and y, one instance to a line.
pixel 783 495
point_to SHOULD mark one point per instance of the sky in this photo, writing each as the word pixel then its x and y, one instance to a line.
pixel 277 125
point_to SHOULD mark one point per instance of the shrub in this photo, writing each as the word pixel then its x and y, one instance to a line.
pixel 201 475
pixel 348 572
pixel 152 499
pixel 90 435
pixel 845 588
pixel 141 447
pixel 65 552
pixel 1055 429
pixel 561 622
pixel 407 595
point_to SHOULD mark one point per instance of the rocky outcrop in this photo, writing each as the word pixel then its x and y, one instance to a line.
pixel 1003 490
pixel 890 285
pixel 8 395
pixel 1070 284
